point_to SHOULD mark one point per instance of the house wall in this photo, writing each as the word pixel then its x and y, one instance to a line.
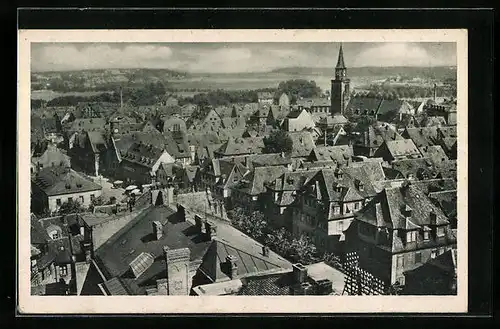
pixel 52 200
pixel 304 120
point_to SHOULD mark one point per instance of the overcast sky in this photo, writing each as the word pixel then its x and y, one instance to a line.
pixel 235 57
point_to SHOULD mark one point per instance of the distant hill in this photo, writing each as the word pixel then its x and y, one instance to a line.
pixel 430 72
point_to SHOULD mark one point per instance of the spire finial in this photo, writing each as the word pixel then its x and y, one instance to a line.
pixel 340 61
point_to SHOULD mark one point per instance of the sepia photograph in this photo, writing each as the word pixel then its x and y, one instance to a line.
pixel 318 164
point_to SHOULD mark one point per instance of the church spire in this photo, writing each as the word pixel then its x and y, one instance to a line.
pixel 340 61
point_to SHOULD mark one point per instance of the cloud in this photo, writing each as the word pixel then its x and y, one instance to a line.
pixel 97 56
pixel 231 58
pixel 398 54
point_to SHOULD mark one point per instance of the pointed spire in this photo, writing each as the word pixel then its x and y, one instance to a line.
pixel 340 61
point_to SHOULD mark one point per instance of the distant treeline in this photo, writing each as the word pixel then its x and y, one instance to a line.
pixel 409 91
pixel 152 93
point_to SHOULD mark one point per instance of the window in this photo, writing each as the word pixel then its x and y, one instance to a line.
pixel 70 199
pixel 92 197
pixel 418 257
pixel 356 206
pixel 58 202
pixel 411 236
pixel 440 231
pixel 426 235
pixel 340 226
pixel 400 261
pixel 63 271
pixel 433 253
pixel 82 199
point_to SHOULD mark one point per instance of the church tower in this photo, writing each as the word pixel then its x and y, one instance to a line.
pixel 340 92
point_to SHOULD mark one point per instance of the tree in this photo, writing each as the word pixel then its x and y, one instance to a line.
pixel 299 88
pixel 303 249
pixel 279 240
pixel 251 222
pixel 278 141
pixel 70 207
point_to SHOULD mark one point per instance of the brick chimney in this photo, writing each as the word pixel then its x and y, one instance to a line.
pixel 299 273
pixel 210 230
pixel 177 262
pixel 232 265
pixel 324 287
pixel 157 230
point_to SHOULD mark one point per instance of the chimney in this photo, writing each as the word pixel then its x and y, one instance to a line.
pixel 121 98
pixel 299 273
pixel 324 287
pixel 198 224
pixel 157 230
pixel 162 286
pixel 232 264
pixel 210 230
pixel 87 246
pixel 433 217
pixel 304 288
pixel 408 211
pixel 82 230
pixel 265 251
pixel 435 92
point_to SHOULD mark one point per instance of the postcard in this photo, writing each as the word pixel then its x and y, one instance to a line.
pixel 242 171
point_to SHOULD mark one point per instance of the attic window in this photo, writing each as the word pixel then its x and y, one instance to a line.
pixel 79 185
pixel 68 186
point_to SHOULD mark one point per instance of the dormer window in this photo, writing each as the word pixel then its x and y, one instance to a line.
pixel 411 236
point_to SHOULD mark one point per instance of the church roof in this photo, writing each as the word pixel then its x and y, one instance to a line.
pixel 340 61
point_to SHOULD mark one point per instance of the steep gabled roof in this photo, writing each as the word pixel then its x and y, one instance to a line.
pixel 250 260
pixel 63 180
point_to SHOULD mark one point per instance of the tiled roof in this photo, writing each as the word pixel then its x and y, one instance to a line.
pixel 416 167
pixel 403 147
pixel 97 141
pixel 393 202
pixel 52 155
pixel 235 146
pixel 310 102
pixel 342 184
pixel 88 124
pixel 433 122
pixel 425 136
pixel 447 200
pixel 253 183
pixel 434 152
pixel 377 133
pixel 136 237
pixel 277 284
pixel 250 260
pixel 269 159
pixel 146 155
pixel 176 144
pixel 363 104
pixel 303 143
pixel 63 180
pixel 341 153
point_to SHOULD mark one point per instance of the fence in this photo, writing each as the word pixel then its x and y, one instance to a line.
pixel 362 282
